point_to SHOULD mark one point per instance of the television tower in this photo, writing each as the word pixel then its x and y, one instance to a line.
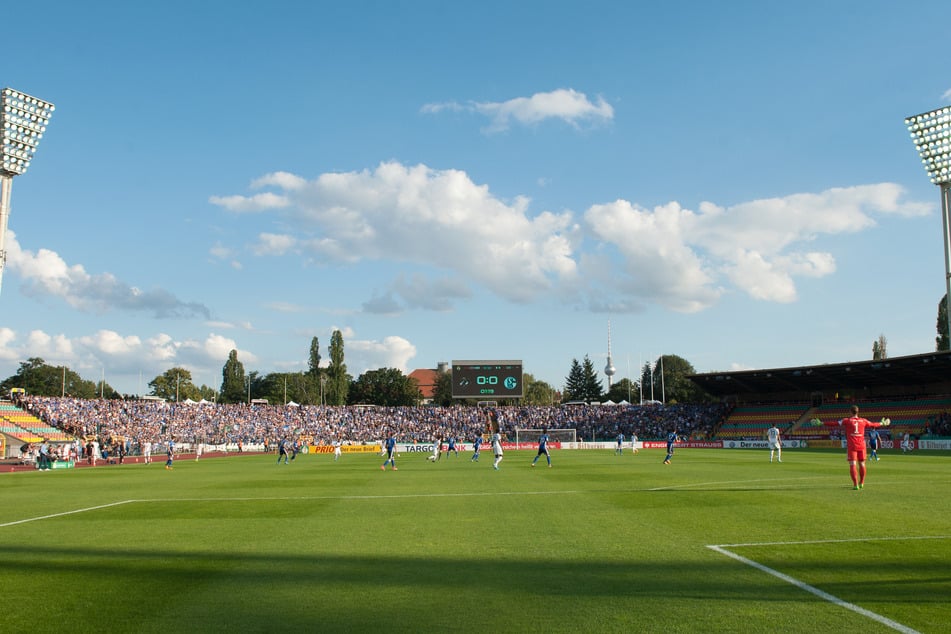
pixel 609 369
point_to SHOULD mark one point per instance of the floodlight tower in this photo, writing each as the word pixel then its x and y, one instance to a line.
pixel 931 133
pixel 23 119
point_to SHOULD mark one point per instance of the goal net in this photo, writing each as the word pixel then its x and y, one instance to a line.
pixel 529 437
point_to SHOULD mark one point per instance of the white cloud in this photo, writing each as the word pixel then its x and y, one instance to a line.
pixel 250 204
pixel 45 273
pixel 274 244
pixel 617 257
pixel 391 352
pixel 567 105
pixel 681 258
pixel 440 218
pixel 947 95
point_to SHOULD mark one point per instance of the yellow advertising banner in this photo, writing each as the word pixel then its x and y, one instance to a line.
pixel 346 449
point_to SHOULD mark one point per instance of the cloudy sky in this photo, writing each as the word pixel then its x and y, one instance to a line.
pixel 728 182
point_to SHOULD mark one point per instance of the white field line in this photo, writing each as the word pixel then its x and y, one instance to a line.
pixel 73 512
pixel 696 485
pixel 878 618
pixel 296 498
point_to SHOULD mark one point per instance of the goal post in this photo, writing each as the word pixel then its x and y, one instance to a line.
pixel 528 438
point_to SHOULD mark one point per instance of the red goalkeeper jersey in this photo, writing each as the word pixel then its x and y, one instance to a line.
pixel 854 427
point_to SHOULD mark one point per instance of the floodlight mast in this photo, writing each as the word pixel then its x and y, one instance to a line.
pixel 931 133
pixel 23 121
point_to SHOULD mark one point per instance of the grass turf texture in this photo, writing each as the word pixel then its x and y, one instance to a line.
pixel 598 543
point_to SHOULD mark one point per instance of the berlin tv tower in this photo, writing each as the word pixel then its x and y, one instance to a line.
pixel 609 369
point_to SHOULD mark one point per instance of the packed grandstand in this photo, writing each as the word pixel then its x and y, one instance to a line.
pixel 913 392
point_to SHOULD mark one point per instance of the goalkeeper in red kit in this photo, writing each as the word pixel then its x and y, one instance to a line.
pixel 854 427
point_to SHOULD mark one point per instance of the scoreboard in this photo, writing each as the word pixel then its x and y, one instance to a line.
pixel 484 379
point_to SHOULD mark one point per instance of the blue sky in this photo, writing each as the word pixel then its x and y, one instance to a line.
pixel 730 182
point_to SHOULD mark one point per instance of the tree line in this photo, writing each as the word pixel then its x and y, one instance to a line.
pixel 664 379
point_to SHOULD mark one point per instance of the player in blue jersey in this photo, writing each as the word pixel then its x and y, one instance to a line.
pixel 672 439
pixel 543 448
pixel 283 446
pixel 619 450
pixel 476 447
pixel 873 442
pixel 390 446
pixel 451 446
pixel 169 454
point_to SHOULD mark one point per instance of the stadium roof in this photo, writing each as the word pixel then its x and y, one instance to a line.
pixel 918 374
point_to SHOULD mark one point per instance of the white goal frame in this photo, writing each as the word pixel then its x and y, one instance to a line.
pixel 531 436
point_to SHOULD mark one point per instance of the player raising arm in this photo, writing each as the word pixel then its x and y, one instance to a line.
pixel 854 428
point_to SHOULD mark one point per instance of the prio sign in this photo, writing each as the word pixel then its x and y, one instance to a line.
pixel 482 379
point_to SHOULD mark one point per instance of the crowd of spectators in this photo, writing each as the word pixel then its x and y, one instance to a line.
pixel 135 423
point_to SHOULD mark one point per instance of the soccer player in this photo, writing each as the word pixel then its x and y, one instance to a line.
pixel 671 441
pixel 169 454
pixel 497 449
pixel 452 446
pixel 620 445
pixel 633 443
pixel 337 449
pixel 854 427
pixel 390 446
pixel 873 442
pixel 282 450
pixel 775 443
pixel 543 448
pixel 437 449
pixel 476 446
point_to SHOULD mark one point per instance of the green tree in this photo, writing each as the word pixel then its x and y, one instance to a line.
pixel 313 362
pixel 338 381
pixel 208 393
pixel 879 348
pixel 943 341
pixel 233 384
pixel 36 377
pixel 671 384
pixel 623 390
pixel 387 387
pixel 536 392
pixel 583 383
pixel 593 390
pixel 175 384
pixel 574 383
pixel 442 391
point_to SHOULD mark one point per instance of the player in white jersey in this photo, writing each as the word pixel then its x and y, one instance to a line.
pixel 497 449
pixel 775 443
pixel 337 450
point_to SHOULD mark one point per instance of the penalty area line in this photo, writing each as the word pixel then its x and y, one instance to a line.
pixel 878 618
pixel 73 512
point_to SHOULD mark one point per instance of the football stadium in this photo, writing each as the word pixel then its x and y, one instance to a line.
pixel 729 179
pixel 205 517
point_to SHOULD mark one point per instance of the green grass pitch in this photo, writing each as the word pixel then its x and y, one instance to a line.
pixel 718 541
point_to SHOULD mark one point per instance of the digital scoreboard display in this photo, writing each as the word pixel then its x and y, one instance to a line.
pixel 487 379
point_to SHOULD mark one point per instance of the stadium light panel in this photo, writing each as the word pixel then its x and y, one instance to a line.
pixel 931 134
pixel 23 119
